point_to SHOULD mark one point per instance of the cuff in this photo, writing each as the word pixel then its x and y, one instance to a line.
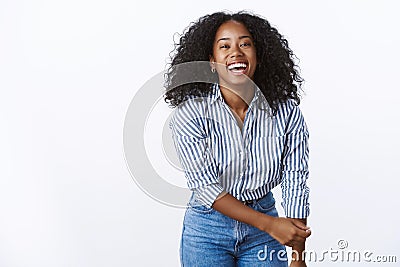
pixel 208 194
pixel 295 210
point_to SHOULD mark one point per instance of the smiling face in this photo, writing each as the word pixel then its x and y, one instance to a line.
pixel 234 54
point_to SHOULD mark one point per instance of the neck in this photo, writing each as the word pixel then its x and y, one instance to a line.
pixel 238 98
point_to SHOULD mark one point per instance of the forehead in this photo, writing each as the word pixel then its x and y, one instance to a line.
pixel 231 29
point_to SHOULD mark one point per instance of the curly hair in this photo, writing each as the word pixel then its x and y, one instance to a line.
pixel 276 74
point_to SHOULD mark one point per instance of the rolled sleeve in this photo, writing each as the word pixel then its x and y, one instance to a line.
pixel 295 192
pixel 208 194
pixel 192 145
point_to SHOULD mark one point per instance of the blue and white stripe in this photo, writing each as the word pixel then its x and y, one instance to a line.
pixel 218 156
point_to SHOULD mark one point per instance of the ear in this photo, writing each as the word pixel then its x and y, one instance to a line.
pixel 212 62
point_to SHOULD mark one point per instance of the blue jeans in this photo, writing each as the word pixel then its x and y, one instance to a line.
pixel 210 239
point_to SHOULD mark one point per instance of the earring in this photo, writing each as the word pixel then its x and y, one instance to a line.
pixel 213 67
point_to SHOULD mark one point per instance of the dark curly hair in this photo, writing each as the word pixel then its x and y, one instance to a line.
pixel 276 74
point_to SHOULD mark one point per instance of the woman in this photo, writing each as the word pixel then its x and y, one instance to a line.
pixel 237 139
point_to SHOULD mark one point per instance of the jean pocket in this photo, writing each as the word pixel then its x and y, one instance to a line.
pixel 200 208
pixel 265 204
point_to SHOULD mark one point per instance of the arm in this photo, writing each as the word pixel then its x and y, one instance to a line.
pixel 191 140
pixel 294 176
pixel 287 231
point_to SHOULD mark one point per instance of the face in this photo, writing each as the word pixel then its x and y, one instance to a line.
pixel 234 54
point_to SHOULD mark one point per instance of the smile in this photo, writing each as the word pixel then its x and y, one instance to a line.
pixel 237 67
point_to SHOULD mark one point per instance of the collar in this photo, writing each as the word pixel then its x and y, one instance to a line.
pixel 215 94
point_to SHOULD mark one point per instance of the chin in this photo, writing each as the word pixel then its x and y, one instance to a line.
pixel 238 80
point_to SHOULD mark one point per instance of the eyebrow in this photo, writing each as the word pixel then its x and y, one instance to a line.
pixel 240 37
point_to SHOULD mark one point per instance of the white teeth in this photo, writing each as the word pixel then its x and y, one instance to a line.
pixel 237 65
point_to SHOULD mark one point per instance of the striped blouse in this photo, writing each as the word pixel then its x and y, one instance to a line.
pixel 218 156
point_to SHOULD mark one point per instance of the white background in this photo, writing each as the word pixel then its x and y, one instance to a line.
pixel 69 69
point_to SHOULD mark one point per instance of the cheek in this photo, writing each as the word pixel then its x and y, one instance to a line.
pixel 254 54
pixel 254 60
pixel 219 57
pixel 221 68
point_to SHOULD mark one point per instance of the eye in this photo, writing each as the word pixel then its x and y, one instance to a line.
pixel 245 44
pixel 224 46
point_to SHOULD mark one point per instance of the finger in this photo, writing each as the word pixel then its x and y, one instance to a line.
pixel 308 231
pixel 300 225
pixel 299 239
pixel 290 244
pixel 303 233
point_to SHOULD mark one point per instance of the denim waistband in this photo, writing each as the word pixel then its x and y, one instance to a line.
pixel 266 198
pixel 252 202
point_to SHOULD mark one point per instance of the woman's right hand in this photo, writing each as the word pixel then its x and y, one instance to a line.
pixel 287 231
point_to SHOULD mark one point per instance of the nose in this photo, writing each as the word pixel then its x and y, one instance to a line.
pixel 236 51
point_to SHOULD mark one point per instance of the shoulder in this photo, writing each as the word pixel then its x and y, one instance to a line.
pixel 289 114
pixel 189 116
pixel 287 107
pixel 192 108
pixel 196 106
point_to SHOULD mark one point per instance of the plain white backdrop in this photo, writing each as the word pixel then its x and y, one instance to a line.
pixel 69 69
